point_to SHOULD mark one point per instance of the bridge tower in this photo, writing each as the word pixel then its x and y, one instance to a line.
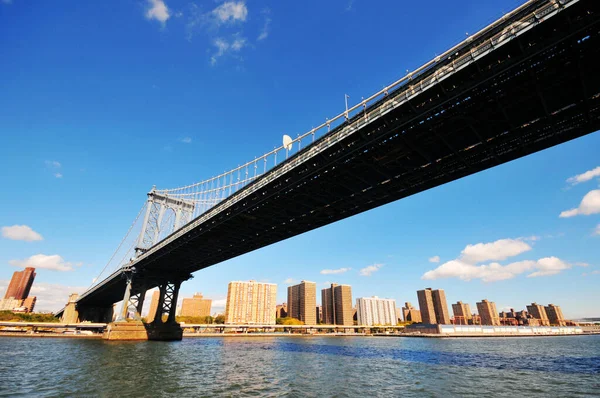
pixel 156 226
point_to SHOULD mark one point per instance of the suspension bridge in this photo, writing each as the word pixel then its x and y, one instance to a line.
pixel 524 83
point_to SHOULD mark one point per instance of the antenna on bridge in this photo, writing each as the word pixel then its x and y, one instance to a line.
pixel 287 144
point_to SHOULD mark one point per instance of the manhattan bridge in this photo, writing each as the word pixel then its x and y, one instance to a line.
pixel 524 83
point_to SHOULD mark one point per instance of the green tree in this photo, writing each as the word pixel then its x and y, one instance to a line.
pixel 220 319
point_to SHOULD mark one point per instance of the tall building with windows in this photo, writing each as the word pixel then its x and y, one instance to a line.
pixel 555 315
pixel 411 314
pixel 337 305
pixel 433 306
pixel 539 312
pixel 29 303
pixel 195 306
pixel 462 313
pixel 20 284
pixel 488 313
pixel 301 302
pixel 153 306
pixel 372 311
pixel 251 303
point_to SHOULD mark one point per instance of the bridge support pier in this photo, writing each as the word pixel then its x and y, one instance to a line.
pixel 164 326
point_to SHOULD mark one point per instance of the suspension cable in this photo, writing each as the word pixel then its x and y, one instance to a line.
pixel 120 244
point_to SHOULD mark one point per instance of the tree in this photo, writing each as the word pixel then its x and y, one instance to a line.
pixel 220 319
pixel 288 321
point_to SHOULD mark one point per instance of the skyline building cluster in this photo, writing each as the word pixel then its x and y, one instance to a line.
pixel 17 297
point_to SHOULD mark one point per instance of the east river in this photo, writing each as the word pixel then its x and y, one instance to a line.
pixel 302 366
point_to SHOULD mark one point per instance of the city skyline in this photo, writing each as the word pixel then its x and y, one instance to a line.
pixel 530 226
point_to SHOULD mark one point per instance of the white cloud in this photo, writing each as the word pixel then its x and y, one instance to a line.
pixel 584 177
pixel 465 267
pixel 434 259
pixel 186 140
pixel 595 272
pixel 597 230
pixel 223 47
pixel 289 281
pixel 218 306
pixel 498 250
pixel 230 11
pixel 264 32
pixel 58 175
pixel 590 204
pixel 157 9
pixel 52 262
pixel 367 271
pixel 53 164
pixel 335 271
pixel 21 232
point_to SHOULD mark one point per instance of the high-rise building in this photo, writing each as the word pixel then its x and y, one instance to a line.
pixel 410 313
pixel 539 312
pixel 29 303
pixel 302 299
pixel 251 303
pixel 337 305
pixel 20 284
pixel 376 311
pixel 462 313
pixel 487 313
pixel 195 306
pixel 153 306
pixel 281 311
pixel 319 314
pixel 433 306
pixel 555 315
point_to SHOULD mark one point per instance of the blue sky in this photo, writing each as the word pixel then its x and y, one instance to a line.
pixel 101 102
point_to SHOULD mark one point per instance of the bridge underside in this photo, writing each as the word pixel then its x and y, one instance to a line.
pixel 539 90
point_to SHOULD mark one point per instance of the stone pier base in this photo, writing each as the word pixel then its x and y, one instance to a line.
pixel 125 331
pixel 137 330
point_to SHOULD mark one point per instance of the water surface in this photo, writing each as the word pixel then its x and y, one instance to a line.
pixel 311 366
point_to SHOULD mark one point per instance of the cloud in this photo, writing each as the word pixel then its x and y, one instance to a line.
pixel 498 250
pixel 230 11
pixel 584 177
pixel 52 262
pixel 434 259
pixel 595 272
pixel 218 306
pixel 367 271
pixel 597 230
pixel 157 10
pixel 21 232
pixel 223 47
pixel 335 271
pixel 53 164
pixel 264 32
pixel 590 204
pixel 289 281
pixel 465 266
pixel 186 140
pixel 58 175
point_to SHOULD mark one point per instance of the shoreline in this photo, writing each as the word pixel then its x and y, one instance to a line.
pixel 297 335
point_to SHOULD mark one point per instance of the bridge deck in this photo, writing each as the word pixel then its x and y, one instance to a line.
pixel 502 102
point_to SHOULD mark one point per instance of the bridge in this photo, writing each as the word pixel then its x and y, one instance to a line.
pixel 524 83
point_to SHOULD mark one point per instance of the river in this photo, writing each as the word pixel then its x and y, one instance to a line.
pixel 302 366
